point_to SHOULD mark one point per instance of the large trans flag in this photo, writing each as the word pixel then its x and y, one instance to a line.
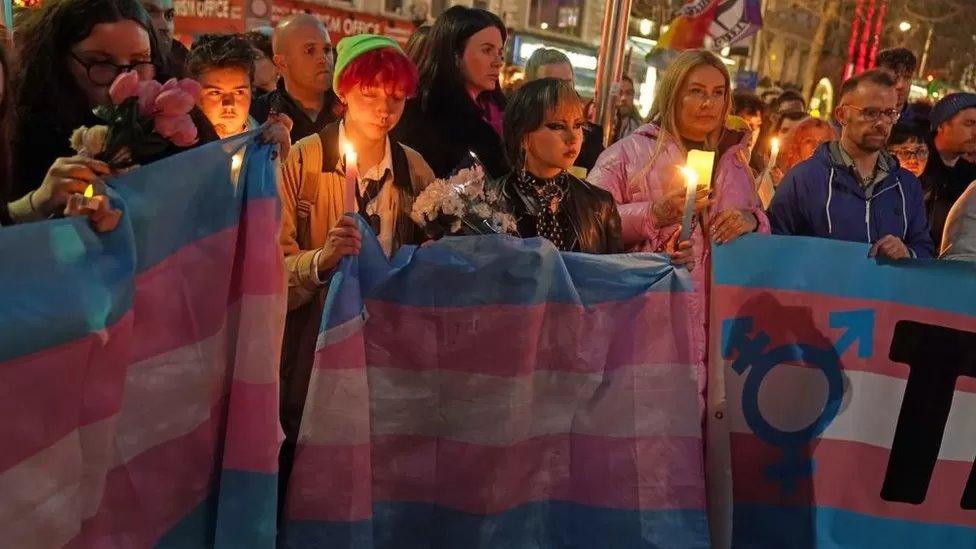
pixel 138 368
pixel 850 396
pixel 492 392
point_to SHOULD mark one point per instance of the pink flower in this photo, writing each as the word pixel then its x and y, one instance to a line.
pixel 174 102
pixel 171 84
pixel 179 129
pixel 126 85
pixel 148 92
pixel 191 87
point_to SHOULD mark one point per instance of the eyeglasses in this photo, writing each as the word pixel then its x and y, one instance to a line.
pixel 872 114
pixel 103 73
pixel 918 153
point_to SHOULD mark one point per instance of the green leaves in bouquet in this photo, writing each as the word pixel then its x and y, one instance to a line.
pixel 128 130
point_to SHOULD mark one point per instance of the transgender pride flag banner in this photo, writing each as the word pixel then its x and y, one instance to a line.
pixel 850 395
pixel 492 392
pixel 138 368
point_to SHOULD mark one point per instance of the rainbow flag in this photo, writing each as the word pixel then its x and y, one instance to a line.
pixel 492 392
pixel 712 24
pixel 138 368
pixel 850 394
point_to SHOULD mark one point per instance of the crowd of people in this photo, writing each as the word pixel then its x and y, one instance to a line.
pixel 880 171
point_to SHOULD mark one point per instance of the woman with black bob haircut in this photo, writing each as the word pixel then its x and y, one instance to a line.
pixel 459 107
pixel 543 134
pixel 72 51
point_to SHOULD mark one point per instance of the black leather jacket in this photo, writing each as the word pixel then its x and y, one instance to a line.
pixel 591 212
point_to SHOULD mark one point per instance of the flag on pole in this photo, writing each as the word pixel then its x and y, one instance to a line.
pixel 490 392
pixel 712 24
pixel 138 368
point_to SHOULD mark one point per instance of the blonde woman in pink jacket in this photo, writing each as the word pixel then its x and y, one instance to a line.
pixel 641 172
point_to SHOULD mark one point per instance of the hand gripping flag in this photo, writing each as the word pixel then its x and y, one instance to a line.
pixel 493 392
pixel 138 368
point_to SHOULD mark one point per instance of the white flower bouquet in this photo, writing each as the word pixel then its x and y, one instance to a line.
pixel 460 205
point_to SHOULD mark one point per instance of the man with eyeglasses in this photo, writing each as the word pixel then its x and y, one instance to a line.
pixel 303 54
pixel 163 17
pixel 852 189
pixel 948 173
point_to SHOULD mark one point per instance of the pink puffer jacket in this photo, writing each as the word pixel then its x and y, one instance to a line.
pixel 626 171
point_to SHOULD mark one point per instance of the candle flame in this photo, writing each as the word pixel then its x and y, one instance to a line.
pixel 774 146
pixel 691 176
pixel 349 153
pixel 89 191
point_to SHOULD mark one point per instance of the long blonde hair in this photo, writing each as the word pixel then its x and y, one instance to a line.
pixel 664 111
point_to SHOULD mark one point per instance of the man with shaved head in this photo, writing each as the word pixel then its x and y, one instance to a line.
pixel 303 54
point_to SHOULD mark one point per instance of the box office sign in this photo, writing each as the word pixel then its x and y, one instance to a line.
pixel 342 23
pixel 200 16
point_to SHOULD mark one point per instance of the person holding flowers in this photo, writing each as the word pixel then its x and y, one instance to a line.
pixel 350 166
pixel 72 52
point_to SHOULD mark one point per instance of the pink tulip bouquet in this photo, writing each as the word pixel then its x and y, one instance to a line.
pixel 144 121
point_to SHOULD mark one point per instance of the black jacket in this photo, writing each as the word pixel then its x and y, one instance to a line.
pixel 591 212
pixel 943 186
pixel 446 131
pixel 280 101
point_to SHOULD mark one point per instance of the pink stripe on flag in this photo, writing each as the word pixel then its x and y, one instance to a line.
pixel 46 395
pixel 147 496
pixel 251 423
pixel 511 340
pixel 188 302
pixel 788 316
pixel 330 483
pixel 849 476
pixel 619 473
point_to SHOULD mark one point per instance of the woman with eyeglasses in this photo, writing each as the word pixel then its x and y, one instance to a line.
pixel 909 148
pixel 642 173
pixel 72 51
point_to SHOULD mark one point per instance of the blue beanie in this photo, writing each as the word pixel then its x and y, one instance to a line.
pixel 949 106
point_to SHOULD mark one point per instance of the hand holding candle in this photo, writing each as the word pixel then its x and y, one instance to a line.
pixel 352 177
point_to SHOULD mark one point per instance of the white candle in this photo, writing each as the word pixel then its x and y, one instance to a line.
pixel 691 180
pixel 352 177
pixel 773 152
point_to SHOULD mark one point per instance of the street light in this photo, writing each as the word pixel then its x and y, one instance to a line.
pixel 904 26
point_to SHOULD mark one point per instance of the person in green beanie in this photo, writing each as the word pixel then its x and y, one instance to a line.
pixel 373 79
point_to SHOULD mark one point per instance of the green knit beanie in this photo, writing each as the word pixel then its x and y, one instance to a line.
pixel 351 47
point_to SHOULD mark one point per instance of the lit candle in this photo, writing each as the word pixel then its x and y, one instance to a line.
pixel 89 191
pixel 352 177
pixel 701 162
pixel 691 180
pixel 773 152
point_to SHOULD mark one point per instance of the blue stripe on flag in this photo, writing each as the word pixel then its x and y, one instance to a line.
pixel 190 196
pixel 842 269
pixel 246 515
pixel 762 526
pixel 465 272
pixel 549 525
pixel 62 282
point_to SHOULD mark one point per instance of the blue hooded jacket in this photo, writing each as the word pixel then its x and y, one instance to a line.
pixel 821 197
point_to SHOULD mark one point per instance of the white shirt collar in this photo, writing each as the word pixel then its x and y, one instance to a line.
pixel 376 172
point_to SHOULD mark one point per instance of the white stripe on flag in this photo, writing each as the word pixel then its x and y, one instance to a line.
pixel 647 401
pixel 792 396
